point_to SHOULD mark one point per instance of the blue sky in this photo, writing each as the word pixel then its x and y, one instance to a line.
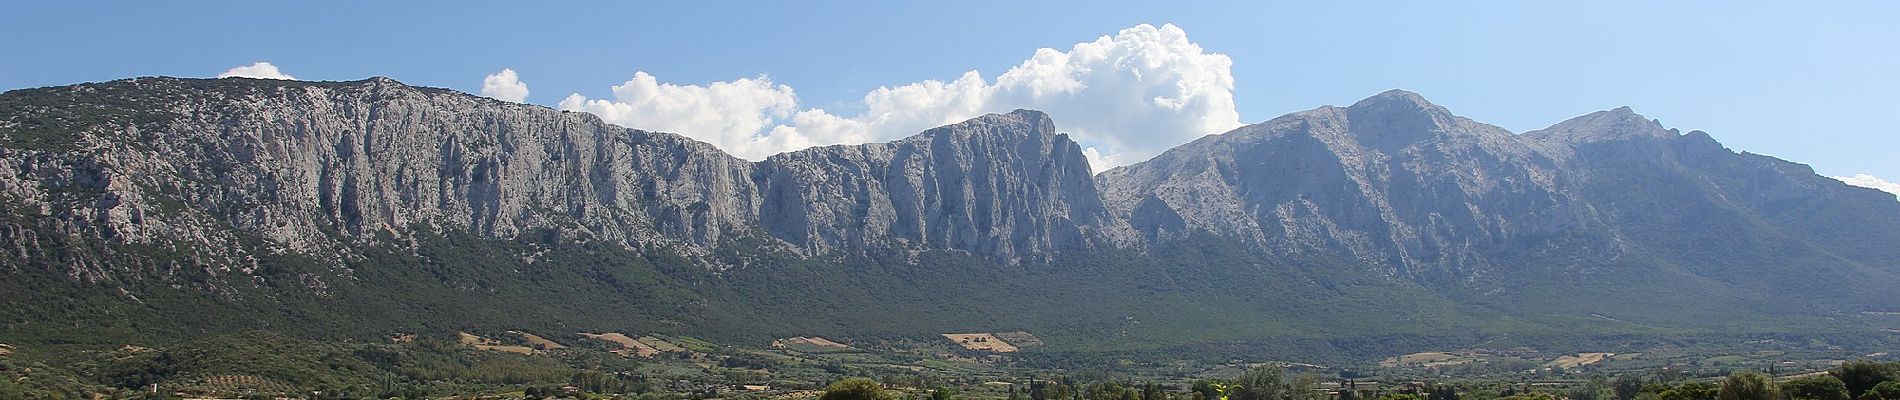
pixel 1812 82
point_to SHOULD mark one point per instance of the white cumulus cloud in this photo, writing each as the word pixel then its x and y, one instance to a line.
pixel 1870 181
pixel 733 115
pixel 1131 95
pixel 1126 97
pixel 260 70
pixel 505 86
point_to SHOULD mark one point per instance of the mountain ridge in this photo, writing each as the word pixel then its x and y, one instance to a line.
pixel 1398 182
pixel 304 196
pixel 699 195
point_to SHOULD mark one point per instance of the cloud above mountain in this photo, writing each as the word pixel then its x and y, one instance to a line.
pixel 505 86
pixel 260 70
pixel 1125 97
pixel 1870 181
pixel 729 114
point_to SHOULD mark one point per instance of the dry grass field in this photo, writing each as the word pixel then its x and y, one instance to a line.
pixel 980 341
pixel 1581 359
pixel 627 344
pixel 1019 338
pixel 813 341
pixel 661 344
pixel 1419 358
pixel 538 341
pixel 482 343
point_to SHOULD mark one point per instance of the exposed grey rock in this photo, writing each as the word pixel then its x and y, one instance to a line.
pixel 1392 181
pixel 316 168
pixel 1397 182
pixel 1005 185
pixel 199 168
pixel 1740 218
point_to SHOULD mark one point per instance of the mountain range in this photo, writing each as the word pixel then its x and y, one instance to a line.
pixel 154 208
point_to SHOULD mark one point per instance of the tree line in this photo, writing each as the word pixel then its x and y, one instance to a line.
pixel 1854 380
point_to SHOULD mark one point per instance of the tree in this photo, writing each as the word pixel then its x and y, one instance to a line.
pixel 1441 392
pixel 1824 387
pixel 1152 391
pixel 10 390
pixel 1861 375
pixel 1747 386
pixel 1690 391
pixel 1599 388
pixel 1063 389
pixel 1210 390
pixel 1306 387
pixel 1888 390
pixel 856 389
pixel 1263 383
pixel 1110 391
pixel 1054 389
pixel 1627 387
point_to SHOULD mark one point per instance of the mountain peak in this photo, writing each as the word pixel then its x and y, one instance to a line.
pixel 1397 118
pixel 1613 124
pixel 1398 103
pixel 1395 98
pixel 1029 117
pixel 1028 113
pixel 1017 122
pixel 381 80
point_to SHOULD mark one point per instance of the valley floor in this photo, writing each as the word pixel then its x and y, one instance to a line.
pixel 1001 365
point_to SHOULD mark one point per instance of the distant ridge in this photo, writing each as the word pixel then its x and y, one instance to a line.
pixel 340 208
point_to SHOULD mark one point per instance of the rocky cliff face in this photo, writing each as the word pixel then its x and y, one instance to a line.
pixel 199 166
pixel 315 168
pixel 1398 182
pixel 1005 185
pixel 215 173
pixel 148 194
pixel 1739 218
pixel 1392 181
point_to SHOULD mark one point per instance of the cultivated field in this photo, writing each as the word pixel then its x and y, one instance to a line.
pixel 1581 359
pixel 250 384
pixel 1419 359
pixel 813 341
pixel 1019 338
pixel 538 341
pixel 627 344
pixel 661 344
pixel 482 343
pixel 981 341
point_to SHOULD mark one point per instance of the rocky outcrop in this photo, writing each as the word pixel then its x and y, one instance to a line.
pixel 318 168
pixel 218 172
pixel 1392 181
pixel 1734 217
pixel 1002 184
pixel 150 194
pixel 1398 182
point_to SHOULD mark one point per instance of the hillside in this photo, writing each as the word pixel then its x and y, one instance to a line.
pixel 159 209
pixel 1606 214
